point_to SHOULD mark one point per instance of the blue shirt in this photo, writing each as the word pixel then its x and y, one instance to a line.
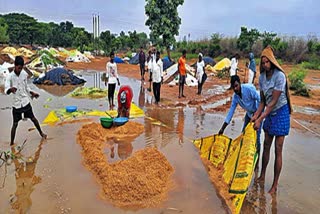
pixel 250 101
pixel 252 63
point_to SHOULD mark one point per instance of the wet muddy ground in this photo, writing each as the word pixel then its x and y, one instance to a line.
pixel 53 179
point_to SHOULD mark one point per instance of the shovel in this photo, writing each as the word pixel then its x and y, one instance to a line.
pixel 109 114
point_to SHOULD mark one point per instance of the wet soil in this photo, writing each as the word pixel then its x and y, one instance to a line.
pixel 170 93
pixel 55 181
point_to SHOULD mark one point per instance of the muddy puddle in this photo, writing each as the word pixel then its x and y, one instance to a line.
pixel 51 177
pixel 306 110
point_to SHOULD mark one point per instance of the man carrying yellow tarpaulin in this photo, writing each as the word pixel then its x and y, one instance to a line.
pixel 248 98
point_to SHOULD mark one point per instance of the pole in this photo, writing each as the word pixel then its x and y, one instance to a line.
pixel 98 26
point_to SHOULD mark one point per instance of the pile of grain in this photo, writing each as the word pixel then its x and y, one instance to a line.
pixel 143 180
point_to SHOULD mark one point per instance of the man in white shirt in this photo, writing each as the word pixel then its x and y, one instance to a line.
pixel 157 77
pixel 234 66
pixel 16 85
pixel 112 79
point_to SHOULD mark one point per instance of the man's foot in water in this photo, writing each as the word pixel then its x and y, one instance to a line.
pixel 44 136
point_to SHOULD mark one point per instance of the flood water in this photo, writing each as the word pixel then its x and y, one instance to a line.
pixel 52 178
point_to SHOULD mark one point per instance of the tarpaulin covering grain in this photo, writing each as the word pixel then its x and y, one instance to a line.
pixel 236 158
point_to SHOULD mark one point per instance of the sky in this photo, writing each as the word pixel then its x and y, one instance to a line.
pixel 200 18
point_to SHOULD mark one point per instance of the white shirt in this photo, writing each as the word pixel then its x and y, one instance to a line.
pixel 200 66
pixel 157 71
pixel 112 72
pixel 22 96
pixel 234 65
pixel 152 62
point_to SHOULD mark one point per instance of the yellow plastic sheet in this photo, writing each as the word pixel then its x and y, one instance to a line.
pixel 231 159
pixel 61 114
pixel 51 118
pixel 238 157
pixel 9 50
pixel 222 64
pixel 219 149
pixel 245 163
pixel 135 111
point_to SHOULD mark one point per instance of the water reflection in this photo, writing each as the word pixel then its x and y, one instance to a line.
pixel 199 118
pixel 58 90
pixel 122 147
pixel 180 125
pixel 159 126
pixel 25 180
pixel 259 201
pixel 142 98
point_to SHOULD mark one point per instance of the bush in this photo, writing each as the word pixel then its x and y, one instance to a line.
pixel 223 73
pixel 176 55
pixel 228 45
pixel 129 54
pixel 312 63
pixel 295 50
pixel 296 78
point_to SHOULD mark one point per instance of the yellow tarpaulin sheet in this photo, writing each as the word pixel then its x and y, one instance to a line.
pixel 9 50
pixel 51 118
pixel 61 114
pixel 238 157
pixel 222 64
pixel 25 52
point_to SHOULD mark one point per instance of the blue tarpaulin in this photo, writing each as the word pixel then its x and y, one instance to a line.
pixel 207 61
pixel 59 76
pixel 118 60
pixel 167 63
pixel 134 60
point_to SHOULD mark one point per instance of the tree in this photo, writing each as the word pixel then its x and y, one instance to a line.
pixel 42 37
pixel 22 28
pixel 163 20
pixel 107 40
pixel 214 48
pixel 80 37
pixel 247 39
pixel 4 37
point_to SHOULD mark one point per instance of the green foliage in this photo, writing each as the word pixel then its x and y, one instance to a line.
pixel 313 63
pixel 129 54
pixel 218 58
pixel 22 28
pixel 223 73
pixel 4 37
pixel 228 46
pixel 296 78
pixel 214 48
pixel 247 39
pixel 269 38
pixel 176 55
pixel 296 49
pixel 81 38
pixel 163 20
pixel 313 45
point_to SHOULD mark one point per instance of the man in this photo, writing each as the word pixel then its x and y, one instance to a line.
pixel 248 98
pixel 182 73
pixel 142 62
pixel 124 101
pixel 234 66
pixel 252 68
pixel 157 77
pixel 16 85
pixel 151 65
pixel 112 78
